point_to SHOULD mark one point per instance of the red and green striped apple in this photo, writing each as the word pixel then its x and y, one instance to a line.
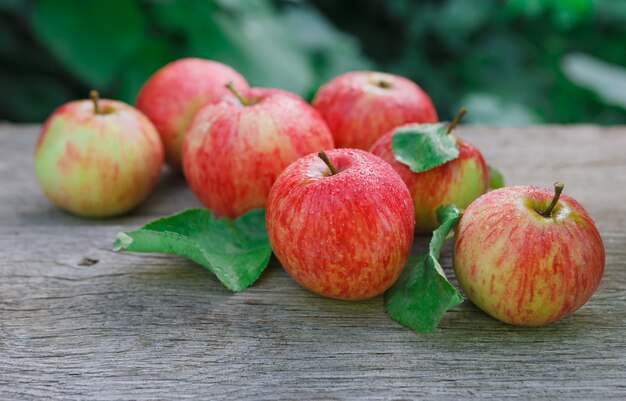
pixel 342 227
pixel 237 146
pixel 458 181
pixel 173 94
pixel 361 106
pixel 526 256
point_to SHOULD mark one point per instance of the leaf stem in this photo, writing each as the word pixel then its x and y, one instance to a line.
pixel 457 119
pixel 95 97
pixel 237 94
pixel 322 155
pixel 558 188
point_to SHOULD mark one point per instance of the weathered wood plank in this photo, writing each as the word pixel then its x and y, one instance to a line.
pixel 136 326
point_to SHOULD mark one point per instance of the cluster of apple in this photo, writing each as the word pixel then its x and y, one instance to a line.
pixel 341 204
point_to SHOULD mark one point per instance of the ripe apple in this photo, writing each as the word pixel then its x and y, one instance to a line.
pixel 173 94
pixel 526 256
pixel 459 181
pixel 237 146
pixel 361 106
pixel 97 158
pixel 342 224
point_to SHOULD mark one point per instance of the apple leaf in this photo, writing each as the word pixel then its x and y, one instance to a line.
pixel 236 251
pixel 423 293
pixel 496 179
pixel 423 146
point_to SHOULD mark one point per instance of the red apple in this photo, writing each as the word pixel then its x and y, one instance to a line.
pixel 173 94
pixel 526 256
pixel 236 147
pixel 344 228
pixel 361 106
pixel 97 158
pixel 459 181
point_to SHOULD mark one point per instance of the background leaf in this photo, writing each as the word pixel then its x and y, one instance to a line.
pixel 606 80
pixel 423 146
pixel 423 293
pixel 474 54
pixel 91 38
pixel 236 251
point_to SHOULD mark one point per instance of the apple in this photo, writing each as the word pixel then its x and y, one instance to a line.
pixel 341 223
pixel 459 181
pixel 361 106
pixel 527 256
pixel 173 94
pixel 97 158
pixel 237 146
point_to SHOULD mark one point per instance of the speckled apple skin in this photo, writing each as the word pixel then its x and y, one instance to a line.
pixel 345 236
pixel 173 94
pixel 459 181
pixel 97 165
pixel 232 154
pixel 358 111
pixel 523 268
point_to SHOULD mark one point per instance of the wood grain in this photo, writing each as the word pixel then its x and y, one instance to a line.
pixel 144 326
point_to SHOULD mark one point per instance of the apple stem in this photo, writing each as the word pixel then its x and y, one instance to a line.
pixel 239 96
pixel 95 97
pixel 457 119
pixel 382 83
pixel 322 155
pixel 558 188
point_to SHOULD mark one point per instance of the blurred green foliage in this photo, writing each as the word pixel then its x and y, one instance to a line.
pixel 509 62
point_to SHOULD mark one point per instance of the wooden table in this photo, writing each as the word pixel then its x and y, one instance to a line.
pixel 143 326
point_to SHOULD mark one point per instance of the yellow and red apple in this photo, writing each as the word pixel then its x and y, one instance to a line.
pixel 97 157
pixel 459 181
pixel 526 256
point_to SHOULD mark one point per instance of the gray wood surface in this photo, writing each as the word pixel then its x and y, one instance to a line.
pixel 143 326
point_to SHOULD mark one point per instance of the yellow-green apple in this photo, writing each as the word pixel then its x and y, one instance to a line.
pixel 361 106
pixel 237 146
pixel 526 256
pixel 459 181
pixel 97 158
pixel 173 94
pixel 341 223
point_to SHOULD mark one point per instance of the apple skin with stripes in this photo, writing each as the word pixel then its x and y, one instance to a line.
pixel 97 162
pixel 345 235
pixel 175 92
pixel 361 106
pixel 233 152
pixel 459 181
pixel 523 267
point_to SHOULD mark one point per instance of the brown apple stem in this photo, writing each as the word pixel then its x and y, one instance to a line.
pixel 322 155
pixel 239 96
pixel 558 188
pixel 457 119
pixel 95 97
pixel 383 83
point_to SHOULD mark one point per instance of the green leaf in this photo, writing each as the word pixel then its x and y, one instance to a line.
pixel 423 146
pixel 250 36
pixel 90 38
pixel 423 293
pixel 236 251
pixel 152 56
pixel 496 179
